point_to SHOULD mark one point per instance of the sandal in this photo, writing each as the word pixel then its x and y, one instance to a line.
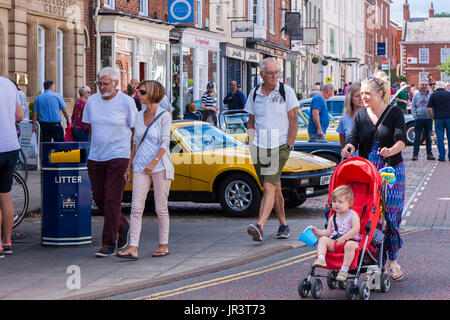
pixel 126 255
pixel 160 253
pixel 396 273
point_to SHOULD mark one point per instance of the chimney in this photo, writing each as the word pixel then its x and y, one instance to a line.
pixel 431 11
pixel 406 11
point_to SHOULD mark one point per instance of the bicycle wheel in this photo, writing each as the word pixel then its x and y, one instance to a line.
pixel 20 198
pixel 22 165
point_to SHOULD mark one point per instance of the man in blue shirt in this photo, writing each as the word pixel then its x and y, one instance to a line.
pixel 318 122
pixel 48 105
pixel 235 98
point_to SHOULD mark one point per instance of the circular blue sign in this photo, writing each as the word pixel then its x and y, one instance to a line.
pixel 180 10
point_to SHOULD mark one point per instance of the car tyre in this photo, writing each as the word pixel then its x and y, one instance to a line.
pixel 410 134
pixel 239 195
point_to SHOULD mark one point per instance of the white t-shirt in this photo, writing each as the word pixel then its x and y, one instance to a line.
pixel 111 122
pixel 9 100
pixel 271 115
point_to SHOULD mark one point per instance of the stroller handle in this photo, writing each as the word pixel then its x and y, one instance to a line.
pixel 388 174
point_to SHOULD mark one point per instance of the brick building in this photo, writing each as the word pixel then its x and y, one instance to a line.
pixel 43 40
pixel 425 45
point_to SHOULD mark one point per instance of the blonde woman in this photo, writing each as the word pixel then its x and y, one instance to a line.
pixel 382 147
pixel 150 157
pixel 353 102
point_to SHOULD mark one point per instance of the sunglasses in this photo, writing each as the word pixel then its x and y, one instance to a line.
pixel 143 92
pixel 375 80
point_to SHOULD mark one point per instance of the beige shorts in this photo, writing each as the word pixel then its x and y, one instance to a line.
pixel 269 163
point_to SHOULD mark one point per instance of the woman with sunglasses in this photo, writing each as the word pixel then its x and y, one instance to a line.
pixel 379 133
pixel 150 157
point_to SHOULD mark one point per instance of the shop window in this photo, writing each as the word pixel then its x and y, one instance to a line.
pixel 106 51
pixel 159 63
pixel 41 58
pixel 60 61
pixel 124 59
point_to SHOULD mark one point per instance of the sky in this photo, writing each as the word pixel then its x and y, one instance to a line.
pixel 418 8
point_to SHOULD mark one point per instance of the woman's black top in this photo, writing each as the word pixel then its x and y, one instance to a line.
pixel 391 130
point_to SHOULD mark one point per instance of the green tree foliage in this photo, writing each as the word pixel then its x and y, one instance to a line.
pixel 445 67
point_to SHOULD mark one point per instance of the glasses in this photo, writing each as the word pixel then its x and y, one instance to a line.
pixel 143 92
pixel 271 74
pixel 375 80
pixel 103 84
pixel 210 85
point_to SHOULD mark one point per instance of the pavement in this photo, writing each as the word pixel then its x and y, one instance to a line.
pixel 197 246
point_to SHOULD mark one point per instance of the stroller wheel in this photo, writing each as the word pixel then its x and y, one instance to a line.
pixel 385 282
pixel 341 285
pixel 364 291
pixel 303 287
pixel 351 291
pixel 316 289
pixel 331 279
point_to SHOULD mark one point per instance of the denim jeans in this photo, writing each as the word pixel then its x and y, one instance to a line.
pixel 425 125
pixel 315 136
pixel 440 125
pixel 80 135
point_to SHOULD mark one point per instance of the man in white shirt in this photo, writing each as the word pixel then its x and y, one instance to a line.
pixel 111 115
pixel 272 129
pixel 10 112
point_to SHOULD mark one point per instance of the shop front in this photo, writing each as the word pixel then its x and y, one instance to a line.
pixel 195 63
pixel 138 49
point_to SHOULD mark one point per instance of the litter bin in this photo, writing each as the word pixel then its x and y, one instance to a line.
pixel 65 194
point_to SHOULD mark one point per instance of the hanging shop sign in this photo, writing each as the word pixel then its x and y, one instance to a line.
pixel 242 29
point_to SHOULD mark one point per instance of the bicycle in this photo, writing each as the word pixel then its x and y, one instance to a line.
pixel 20 198
pixel 22 165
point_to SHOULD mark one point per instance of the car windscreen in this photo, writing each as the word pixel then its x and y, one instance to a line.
pixel 205 137
pixel 306 114
pixel 236 123
pixel 335 107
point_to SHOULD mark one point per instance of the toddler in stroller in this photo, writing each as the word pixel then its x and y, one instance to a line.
pixel 347 246
pixel 342 235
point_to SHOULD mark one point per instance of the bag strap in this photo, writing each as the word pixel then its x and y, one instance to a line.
pixel 281 90
pixel 335 224
pixel 146 130
pixel 378 125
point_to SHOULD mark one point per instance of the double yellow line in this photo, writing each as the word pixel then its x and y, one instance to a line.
pixel 229 278
pixel 242 275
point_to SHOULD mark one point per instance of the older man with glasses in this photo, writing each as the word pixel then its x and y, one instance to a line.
pixel 111 115
pixel 272 129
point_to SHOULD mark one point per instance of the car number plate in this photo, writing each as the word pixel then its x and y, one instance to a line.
pixel 325 180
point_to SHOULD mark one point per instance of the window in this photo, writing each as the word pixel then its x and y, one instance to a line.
pixel 106 51
pixel 445 78
pixel 445 54
pixel 283 20
pixel 259 12
pixel 271 16
pixel 350 47
pixel 60 61
pixel 424 55
pixel 332 40
pixel 143 7
pixel 41 58
pixel 218 14
pixel 423 76
pixel 110 3
pixel 198 13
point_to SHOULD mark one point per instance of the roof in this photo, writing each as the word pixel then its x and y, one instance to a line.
pixel 427 30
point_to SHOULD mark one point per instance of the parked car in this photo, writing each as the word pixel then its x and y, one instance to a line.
pixel 304 116
pixel 335 106
pixel 211 166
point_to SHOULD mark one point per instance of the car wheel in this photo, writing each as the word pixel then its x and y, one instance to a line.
pixel 410 134
pixel 239 195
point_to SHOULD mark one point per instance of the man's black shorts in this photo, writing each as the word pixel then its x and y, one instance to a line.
pixel 7 163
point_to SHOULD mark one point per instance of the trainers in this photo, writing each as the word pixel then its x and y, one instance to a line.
pixel 319 263
pixel 122 240
pixel 2 254
pixel 256 232
pixel 415 158
pixel 105 252
pixel 283 232
pixel 430 157
pixel 342 276
pixel 7 249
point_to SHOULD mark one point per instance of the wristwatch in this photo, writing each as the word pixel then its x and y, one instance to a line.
pixel 291 148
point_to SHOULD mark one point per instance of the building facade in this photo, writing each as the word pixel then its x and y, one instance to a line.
pixel 43 40
pixel 425 45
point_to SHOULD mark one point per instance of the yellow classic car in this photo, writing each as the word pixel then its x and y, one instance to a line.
pixel 235 123
pixel 212 166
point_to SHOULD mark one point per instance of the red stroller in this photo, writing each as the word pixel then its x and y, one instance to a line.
pixel 369 192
